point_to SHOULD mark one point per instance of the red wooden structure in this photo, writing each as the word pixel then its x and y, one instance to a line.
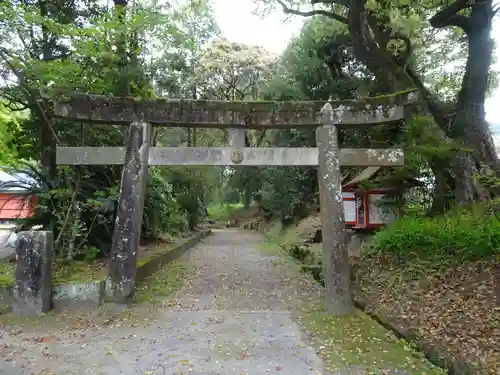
pixel 362 210
pixel 16 206
pixel 15 203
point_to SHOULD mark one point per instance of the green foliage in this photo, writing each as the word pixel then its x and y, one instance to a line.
pixel 288 191
pixel 189 188
pixel 224 212
pixel 463 234
pixel 69 204
pixel 305 66
pixel 9 129
pixel 162 212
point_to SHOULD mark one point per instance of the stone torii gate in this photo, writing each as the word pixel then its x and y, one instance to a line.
pixel 235 116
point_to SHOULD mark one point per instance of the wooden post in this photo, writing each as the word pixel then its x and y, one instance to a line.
pixel 336 269
pixel 127 231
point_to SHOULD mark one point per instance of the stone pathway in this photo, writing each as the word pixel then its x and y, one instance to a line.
pixel 232 318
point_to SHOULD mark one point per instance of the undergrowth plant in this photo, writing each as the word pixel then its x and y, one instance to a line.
pixel 465 233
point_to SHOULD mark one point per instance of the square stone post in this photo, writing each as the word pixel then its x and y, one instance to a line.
pixel 33 277
pixel 336 268
pixel 127 231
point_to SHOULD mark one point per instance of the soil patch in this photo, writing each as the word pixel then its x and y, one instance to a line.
pixel 454 309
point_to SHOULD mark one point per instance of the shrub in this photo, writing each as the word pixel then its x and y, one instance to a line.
pixel 162 213
pixel 463 234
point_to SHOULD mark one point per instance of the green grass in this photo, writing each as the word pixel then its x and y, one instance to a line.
pixel 464 234
pixel 64 272
pixel 225 212
pixel 164 282
pixel 357 340
pixel 7 273
pixel 78 272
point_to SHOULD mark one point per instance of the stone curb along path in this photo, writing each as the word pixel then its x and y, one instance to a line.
pixel 232 317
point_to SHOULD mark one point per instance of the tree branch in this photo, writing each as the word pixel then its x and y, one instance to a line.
pixel 449 16
pixel 311 13
pixel 436 108
pixel 403 57
pixel 29 94
pixel 495 10
pixel 331 2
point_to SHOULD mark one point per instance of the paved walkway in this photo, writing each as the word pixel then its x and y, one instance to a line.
pixel 231 318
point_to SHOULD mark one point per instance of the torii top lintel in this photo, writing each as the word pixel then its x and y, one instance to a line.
pixel 231 114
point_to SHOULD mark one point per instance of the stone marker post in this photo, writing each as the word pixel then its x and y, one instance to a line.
pixel 33 277
pixel 336 269
pixel 127 231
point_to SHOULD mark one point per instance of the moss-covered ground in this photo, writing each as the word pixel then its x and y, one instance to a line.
pixel 355 341
pixel 84 271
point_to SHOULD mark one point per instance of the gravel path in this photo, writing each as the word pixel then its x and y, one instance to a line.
pixel 231 318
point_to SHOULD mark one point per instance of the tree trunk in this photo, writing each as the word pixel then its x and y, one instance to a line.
pixel 468 125
pixel 123 84
pixel 247 198
pixel 48 151
pixel 363 28
pixel 442 196
pixel 469 119
pixel 48 142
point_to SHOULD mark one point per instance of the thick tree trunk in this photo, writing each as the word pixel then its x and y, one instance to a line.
pixel 364 27
pixel 466 188
pixel 469 119
pixel 468 124
pixel 442 196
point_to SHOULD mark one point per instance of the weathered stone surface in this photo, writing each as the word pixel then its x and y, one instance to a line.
pixel 6 295
pixel 337 273
pixel 127 231
pixel 236 138
pixel 197 156
pixel 33 276
pixel 243 114
pixel 78 295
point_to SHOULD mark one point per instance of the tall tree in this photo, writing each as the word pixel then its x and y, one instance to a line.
pixel 384 35
pixel 234 71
